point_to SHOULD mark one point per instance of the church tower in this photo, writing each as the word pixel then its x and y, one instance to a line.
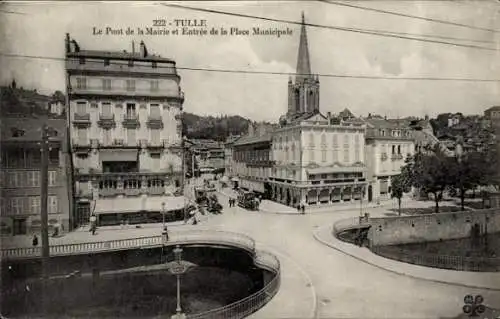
pixel 303 95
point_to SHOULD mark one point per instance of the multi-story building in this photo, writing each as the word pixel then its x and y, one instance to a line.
pixel 228 155
pixel 20 176
pixel 389 142
pixel 252 162
pixel 126 135
pixel 209 155
pixel 319 158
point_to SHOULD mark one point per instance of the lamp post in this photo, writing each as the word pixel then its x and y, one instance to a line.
pixel 163 214
pixel 178 267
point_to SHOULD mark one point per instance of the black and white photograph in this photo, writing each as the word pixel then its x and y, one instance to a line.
pixel 250 159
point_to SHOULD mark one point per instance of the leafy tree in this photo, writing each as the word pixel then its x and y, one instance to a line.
pixel 429 172
pixel 400 184
pixel 467 172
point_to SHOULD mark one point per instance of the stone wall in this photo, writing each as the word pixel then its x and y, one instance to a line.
pixel 432 227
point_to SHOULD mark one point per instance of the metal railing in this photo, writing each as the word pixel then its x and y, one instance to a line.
pixel 236 310
pixel 246 306
pixel 175 237
pixel 460 263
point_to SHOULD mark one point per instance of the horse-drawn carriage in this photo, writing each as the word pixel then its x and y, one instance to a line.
pixel 248 200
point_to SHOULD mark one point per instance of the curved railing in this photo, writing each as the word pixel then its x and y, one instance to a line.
pixel 175 237
pixel 236 310
pixel 244 307
pixel 460 263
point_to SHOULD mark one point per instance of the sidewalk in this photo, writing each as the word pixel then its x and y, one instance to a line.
pixel 271 207
pixel 476 280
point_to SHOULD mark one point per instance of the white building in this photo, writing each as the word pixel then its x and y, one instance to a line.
pixel 388 144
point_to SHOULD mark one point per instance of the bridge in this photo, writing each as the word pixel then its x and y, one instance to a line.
pixel 238 309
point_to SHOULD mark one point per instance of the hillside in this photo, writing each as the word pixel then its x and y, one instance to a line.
pixel 215 128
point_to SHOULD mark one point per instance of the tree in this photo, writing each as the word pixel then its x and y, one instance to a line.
pixel 429 173
pixel 400 184
pixel 467 172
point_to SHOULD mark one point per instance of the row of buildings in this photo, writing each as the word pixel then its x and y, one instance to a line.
pixel 323 159
pixel 117 154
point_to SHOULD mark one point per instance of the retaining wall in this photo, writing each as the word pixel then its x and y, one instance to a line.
pixel 432 227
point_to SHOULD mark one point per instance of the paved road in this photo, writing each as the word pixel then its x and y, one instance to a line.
pixel 345 287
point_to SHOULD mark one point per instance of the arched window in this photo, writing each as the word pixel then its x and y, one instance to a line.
pixel 311 139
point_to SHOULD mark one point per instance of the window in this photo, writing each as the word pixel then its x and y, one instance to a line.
pixel 16 205
pixel 52 178
pixel 130 85
pixel 131 137
pixel 106 109
pixel 154 65
pixel 33 178
pixel 357 155
pixel 154 111
pixel 34 202
pixel 106 84
pixel 155 136
pixel 52 203
pixel 346 155
pixel 82 60
pixel 106 62
pixel 130 110
pixel 335 155
pixel 346 141
pixel 13 179
pixel 107 138
pixel 81 83
pixel 81 107
pixel 154 85
pixel 155 162
pixel 394 149
pixel 323 155
pixel 131 63
pixel 82 136
pixel 399 149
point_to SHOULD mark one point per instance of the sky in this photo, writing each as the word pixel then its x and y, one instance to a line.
pixel 41 29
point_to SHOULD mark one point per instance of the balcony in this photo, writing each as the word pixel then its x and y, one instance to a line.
pixel 131 121
pixel 106 121
pixel 396 157
pixel 155 122
pixel 81 146
pixel 261 163
pixel 130 183
pixel 81 119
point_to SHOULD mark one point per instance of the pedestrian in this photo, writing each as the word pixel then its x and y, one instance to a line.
pixel 165 232
pixel 303 208
pixel 35 240
pixel 298 208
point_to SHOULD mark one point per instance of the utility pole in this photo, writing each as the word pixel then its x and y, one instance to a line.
pixel 44 214
pixel 44 200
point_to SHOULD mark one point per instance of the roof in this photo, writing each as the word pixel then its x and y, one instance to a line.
pixel 117 55
pixel 493 108
pixel 29 129
pixel 387 123
pixel 303 61
pixel 254 139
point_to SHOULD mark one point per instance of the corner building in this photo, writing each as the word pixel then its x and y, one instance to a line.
pixel 319 159
pixel 126 135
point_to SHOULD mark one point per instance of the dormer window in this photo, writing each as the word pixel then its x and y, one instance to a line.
pixel 82 60
pixel 106 62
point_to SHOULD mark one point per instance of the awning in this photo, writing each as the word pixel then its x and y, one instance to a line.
pixel 132 205
pixel 118 155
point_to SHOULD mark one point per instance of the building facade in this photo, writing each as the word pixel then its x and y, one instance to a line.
pixel 389 142
pixel 253 163
pixel 319 158
pixel 228 156
pixel 124 116
pixel 20 176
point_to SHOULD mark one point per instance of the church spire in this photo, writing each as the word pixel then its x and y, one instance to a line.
pixel 303 63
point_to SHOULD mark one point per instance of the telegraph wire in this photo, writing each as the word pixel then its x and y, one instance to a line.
pixel 325 75
pixel 387 34
pixel 408 16
pixel 12 12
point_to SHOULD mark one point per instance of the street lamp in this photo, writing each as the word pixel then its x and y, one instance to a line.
pixel 163 214
pixel 178 267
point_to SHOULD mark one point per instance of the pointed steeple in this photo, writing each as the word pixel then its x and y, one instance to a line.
pixel 303 63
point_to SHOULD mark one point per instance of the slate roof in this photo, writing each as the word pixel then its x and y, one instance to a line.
pixel 29 129
pixel 117 55
pixel 254 139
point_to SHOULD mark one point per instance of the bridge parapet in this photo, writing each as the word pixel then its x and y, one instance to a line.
pixel 192 236
pixel 351 223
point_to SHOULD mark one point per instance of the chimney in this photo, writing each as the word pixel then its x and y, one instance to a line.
pixel 66 43
pixel 329 117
